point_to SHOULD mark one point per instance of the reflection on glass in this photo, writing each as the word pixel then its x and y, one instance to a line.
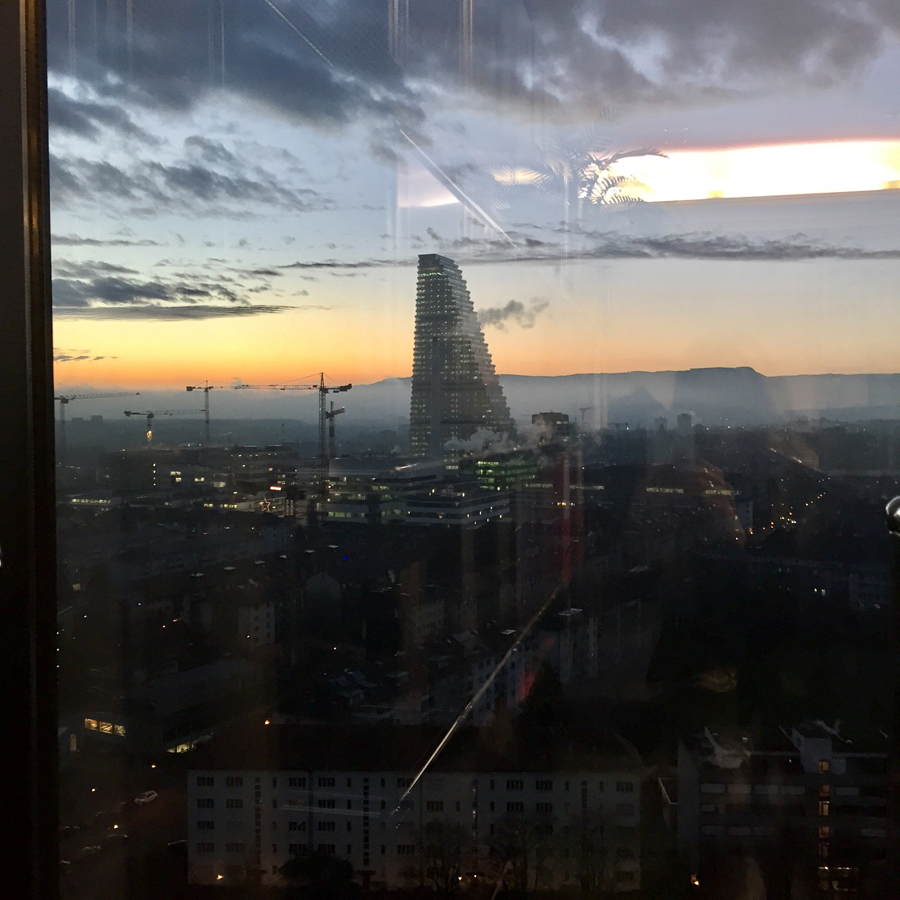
pixel 527 537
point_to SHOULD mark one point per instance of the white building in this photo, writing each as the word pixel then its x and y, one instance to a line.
pixel 256 623
pixel 240 821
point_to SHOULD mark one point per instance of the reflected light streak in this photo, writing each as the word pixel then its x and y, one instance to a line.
pixel 479 694
pixel 419 189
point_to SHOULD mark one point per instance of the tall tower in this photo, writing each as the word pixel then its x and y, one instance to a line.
pixel 455 389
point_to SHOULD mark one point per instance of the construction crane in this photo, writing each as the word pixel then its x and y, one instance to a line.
pixel 323 390
pixel 332 443
pixel 64 401
pixel 151 414
pixel 206 387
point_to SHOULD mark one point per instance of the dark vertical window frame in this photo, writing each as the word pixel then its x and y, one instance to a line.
pixel 893 857
pixel 28 809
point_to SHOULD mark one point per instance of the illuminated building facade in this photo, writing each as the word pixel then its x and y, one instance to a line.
pixel 455 389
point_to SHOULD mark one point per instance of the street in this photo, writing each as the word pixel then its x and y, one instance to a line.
pixel 133 859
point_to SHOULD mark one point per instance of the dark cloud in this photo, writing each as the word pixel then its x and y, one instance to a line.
pixel 726 247
pixel 320 62
pixel 62 356
pixel 101 290
pixel 172 313
pixel 89 119
pixel 569 57
pixel 327 62
pixel 262 273
pixel 336 264
pixel 613 246
pixel 149 187
pixel 514 312
pixel 74 240
pixel 65 268
pixel 212 152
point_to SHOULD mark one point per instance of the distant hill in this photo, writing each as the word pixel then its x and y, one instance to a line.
pixel 721 396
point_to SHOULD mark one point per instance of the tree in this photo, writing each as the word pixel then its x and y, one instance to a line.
pixel 444 850
pixel 598 842
pixel 320 875
pixel 522 851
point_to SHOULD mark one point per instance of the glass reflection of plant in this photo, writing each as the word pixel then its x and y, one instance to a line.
pixel 578 173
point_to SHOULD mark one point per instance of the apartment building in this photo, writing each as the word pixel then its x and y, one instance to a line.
pixel 816 799
pixel 246 823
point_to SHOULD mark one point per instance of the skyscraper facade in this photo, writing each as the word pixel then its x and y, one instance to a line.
pixel 455 389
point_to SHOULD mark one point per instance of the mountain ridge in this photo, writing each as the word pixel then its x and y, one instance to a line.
pixel 714 396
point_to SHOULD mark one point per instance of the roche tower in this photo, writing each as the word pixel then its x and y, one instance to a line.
pixel 455 389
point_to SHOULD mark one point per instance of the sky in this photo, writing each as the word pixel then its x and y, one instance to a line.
pixel 240 188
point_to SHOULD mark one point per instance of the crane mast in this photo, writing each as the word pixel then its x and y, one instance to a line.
pixel 65 400
pixel 332 443
pixel 324 414
pixel 206 387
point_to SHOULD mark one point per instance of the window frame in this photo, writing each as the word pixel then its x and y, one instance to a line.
pixel 30 845
pixel 30 849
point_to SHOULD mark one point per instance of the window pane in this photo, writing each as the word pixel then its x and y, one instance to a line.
pixel 474 426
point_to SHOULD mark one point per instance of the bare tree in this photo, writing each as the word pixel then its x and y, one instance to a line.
pixel 444 849
pixel 596 844
pixel 523 852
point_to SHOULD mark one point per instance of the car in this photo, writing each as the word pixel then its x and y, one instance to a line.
pixel 177 845
pixel 69 829
pixel 146 797
pixel 87 851
pixel 116 834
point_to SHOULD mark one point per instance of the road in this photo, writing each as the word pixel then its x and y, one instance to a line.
pixel 140 865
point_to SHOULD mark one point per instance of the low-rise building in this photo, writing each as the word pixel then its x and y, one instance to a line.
pixel 464 506
pixel 172 712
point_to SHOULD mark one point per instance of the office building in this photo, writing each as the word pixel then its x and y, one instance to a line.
pixel 455 390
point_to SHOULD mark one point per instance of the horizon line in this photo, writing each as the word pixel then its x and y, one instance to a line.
pixel 160 388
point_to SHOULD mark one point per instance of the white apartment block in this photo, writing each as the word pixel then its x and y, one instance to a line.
pixel 257 820
pixel 256 623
